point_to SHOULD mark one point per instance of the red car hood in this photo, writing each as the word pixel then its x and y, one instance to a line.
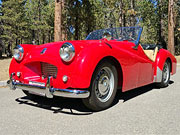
pixel 52 49
pixel 78 44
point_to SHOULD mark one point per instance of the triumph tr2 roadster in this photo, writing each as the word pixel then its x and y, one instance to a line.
pixel 108 61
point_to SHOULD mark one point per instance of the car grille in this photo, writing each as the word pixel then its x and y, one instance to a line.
pixel 48 70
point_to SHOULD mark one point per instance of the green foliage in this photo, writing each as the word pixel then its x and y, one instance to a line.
pixel 80 18
pixel 13 20
pixel 88 15
pixel 40 19
pixel 96 14
pixel 149 21
pixel 24 21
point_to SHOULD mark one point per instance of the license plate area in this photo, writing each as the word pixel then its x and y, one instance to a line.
pixel 37 83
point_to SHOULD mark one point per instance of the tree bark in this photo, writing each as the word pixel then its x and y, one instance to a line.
pixel 121 13
pixel 58 21
pixel 64 31
pixel 171 26
pixel 133 13
pixel 159 22
pixel 1 49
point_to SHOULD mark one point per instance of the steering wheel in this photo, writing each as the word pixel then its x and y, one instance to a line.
pixel 107 35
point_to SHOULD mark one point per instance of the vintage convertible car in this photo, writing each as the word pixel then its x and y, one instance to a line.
pixel 109 60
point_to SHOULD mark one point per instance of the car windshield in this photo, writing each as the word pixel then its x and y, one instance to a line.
pixel 131 34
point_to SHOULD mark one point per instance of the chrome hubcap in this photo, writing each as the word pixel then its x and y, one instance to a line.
pixel 165 73
pixel 104 84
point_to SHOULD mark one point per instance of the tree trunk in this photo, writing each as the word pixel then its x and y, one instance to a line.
pixel 49 36
pixel 159 34
pixel 124 19
pixel 1 49
pixel 133 13
pixel 59 30
pixel 9 50
pixel 58 21
pixel 64 31
pixel 171 26
pixel 121 13
pixel 43 38
pixel 77 28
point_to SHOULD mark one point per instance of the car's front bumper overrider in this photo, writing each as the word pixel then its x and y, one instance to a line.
pixel 48 90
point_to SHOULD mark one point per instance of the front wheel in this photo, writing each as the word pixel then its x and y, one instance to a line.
pixel 103 87
pixel 165 75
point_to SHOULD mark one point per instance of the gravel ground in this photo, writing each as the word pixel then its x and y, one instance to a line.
pixel 142 111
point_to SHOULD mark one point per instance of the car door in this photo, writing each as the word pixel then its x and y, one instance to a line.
pixel 130 62
pixel 145 68
pixel 137 68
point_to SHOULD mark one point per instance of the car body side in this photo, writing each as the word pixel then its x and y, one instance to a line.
pixel 133 66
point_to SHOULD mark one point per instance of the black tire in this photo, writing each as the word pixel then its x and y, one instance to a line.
pixel 32 96
pixel 165 75
pixel 103 87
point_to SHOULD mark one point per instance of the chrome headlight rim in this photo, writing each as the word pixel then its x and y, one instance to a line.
pixel 67 52
pixel 18 53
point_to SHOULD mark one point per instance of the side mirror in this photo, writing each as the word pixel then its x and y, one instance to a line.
pixel 135 47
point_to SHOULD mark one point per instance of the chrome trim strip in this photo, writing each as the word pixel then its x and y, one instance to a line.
pixel 10 83
pixel 49 91
pixel 158 77
pixel 70 93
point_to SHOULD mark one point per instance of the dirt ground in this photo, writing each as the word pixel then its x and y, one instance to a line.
pixel 4 68
pixel 178 59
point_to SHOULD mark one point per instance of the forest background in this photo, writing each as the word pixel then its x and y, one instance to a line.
pixel 32 21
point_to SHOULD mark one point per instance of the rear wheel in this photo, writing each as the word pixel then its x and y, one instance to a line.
pixel 165 75
pixel 103 87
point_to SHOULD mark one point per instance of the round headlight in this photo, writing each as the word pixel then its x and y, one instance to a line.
pixel 67 52
pixel 18 53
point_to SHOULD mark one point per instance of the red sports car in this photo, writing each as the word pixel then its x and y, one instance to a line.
pixel 91 69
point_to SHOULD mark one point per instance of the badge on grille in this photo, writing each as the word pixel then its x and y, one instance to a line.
pixel 43 51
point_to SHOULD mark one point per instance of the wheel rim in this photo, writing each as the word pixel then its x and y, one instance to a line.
pixel 104 84
pixel 165 73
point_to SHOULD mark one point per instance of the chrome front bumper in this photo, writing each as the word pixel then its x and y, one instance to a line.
pixel 48 91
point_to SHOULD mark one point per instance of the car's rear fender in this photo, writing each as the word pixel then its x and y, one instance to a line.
pixel 163 56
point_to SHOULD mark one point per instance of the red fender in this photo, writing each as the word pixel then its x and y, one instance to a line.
pixel 86 64
pixel 162 56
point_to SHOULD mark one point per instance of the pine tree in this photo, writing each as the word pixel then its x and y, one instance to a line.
pixel 149 19
pixel 13 22
pixel 1 32
pixel 177 27
pixel 40 19
pixel 58 20
pixel 171 26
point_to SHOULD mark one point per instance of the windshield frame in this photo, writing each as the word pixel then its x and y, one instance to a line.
pixel 95 35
